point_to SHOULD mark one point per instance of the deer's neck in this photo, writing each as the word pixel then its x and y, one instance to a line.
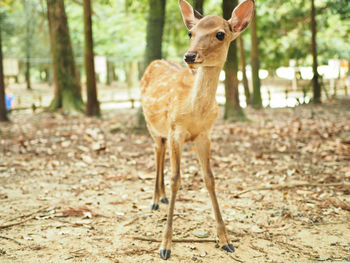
pixel 204 88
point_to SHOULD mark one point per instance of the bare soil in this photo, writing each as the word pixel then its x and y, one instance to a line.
pixel 77 189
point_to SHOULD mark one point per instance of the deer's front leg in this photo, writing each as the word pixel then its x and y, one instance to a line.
pixel 175 147
pixel 203 150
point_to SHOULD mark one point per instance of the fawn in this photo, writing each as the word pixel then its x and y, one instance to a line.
pixel 180 105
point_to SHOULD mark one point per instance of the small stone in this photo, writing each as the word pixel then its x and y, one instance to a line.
pixel 203 254
pixel 201 234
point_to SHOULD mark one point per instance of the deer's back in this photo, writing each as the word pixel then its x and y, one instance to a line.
pixel 164 88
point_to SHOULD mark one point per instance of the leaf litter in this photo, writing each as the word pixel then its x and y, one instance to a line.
pixel 80 189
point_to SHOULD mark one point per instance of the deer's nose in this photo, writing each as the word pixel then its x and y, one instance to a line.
pixel 190 57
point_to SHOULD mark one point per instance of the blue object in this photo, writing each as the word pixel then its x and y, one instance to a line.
pixel 8 101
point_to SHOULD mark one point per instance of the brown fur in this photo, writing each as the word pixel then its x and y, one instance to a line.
pixel 180 106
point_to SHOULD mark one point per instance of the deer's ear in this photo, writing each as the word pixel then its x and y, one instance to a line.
pixel 242 15
pixel 189 15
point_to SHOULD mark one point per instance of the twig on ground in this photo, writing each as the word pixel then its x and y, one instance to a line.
pixel 76 254
pixel 261 250
pixel 11 239
pixel 30 217
pixel 76 224
pixel 329 223
pixel 287 186
pixel 186 240
pixel 27 215
pixel 131 222
pixel 17 223
pixel 235 258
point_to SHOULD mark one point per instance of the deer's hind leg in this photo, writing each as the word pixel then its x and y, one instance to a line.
pixel 159 189
pixel 176 141
pixel 163 199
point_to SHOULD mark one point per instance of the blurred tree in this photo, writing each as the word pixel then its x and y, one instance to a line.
pixel 233 110
pixel 155 25
pixel 29 36
pixel 244 74
pixel 92 105
pixel 315 79
pixel 198 6
pixel 66 79
pixel 341 7
pixel 3 111
pixel 256 99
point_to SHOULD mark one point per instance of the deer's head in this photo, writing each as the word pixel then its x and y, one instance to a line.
pixel 211 35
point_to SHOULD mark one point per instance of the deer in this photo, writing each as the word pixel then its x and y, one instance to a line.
pixel 179 106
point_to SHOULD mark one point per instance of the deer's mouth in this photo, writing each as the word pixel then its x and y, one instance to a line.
pixel 194 65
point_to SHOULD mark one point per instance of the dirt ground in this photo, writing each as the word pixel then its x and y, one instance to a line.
pixel 77 189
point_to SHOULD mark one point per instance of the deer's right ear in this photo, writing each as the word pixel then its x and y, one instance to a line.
pixel 189 15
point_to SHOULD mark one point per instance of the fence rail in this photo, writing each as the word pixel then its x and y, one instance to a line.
pixel 285 92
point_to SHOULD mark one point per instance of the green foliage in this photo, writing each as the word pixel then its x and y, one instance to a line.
pixel 284 31
pixel 119 29
pixel 25 28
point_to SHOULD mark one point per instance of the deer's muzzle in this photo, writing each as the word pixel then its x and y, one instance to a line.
pixel 190 57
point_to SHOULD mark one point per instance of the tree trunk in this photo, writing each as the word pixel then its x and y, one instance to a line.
pixel 27 74
pixel 155 25
pixel 66 78
pixel 256 100
pixel 92 105
pixel 53 79
pixel 28 41
pixel 315 79
pixel 114 76
pixel 233 110
pixel 3 111
pixel 198 5
pixel 243 65
pixel 109 72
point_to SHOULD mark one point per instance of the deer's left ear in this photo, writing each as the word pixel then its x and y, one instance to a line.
pixel 241 16
pixel 189 15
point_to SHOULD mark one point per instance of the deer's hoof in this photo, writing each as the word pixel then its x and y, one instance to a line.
pixel 228 248
pixel 165 253
pixel 155 207
pixel 164 200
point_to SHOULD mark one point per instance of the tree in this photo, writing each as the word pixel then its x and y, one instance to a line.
pixel 66 79
pixel 3 111
pixel 256 100
pixel 155 25
pixel 315 79
pixel 29 34
pixel 233 110
pixel 92 105
pixel 198 5
pixel 244 73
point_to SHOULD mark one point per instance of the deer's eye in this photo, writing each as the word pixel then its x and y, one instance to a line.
pixel 220 36
pixel 190 34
